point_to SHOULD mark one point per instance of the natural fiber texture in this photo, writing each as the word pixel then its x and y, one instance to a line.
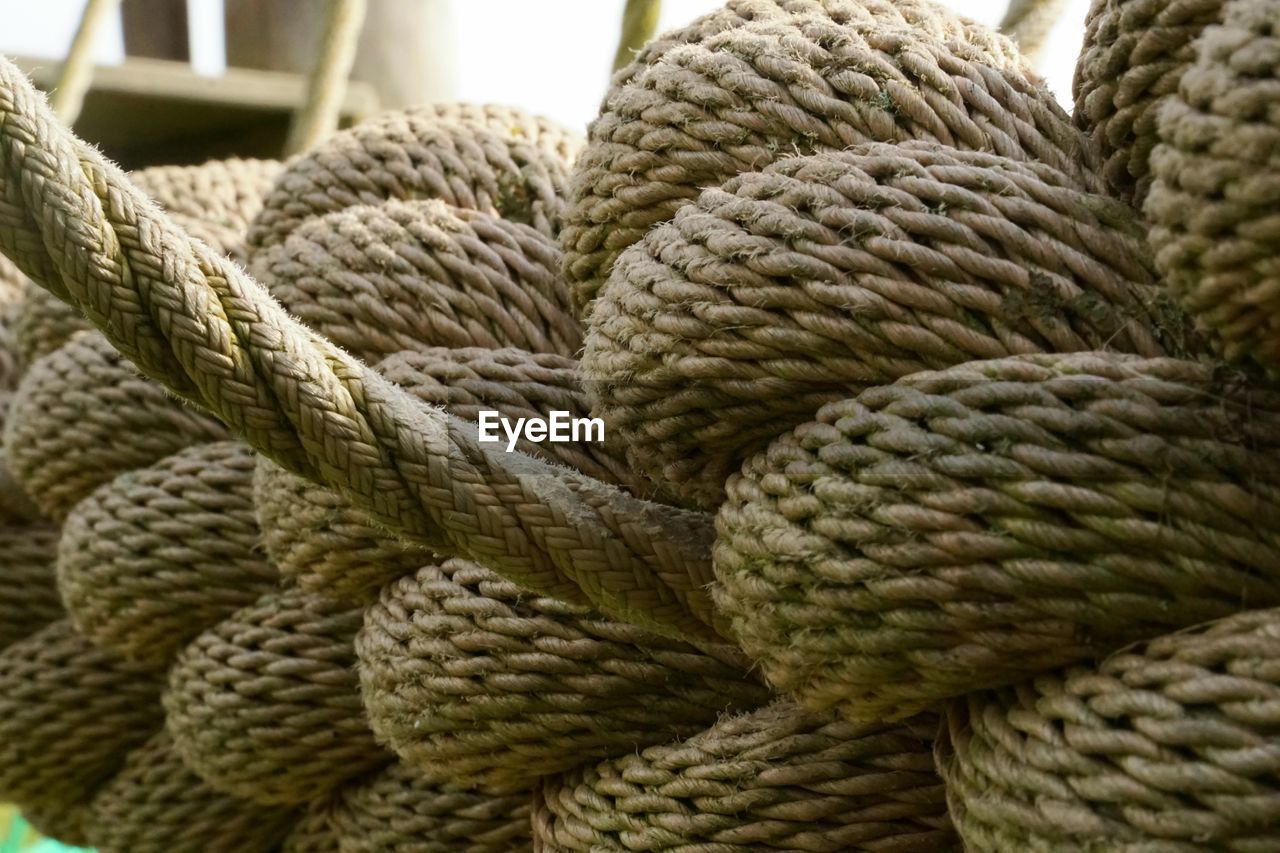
pixel 82 415
pixel 28 590
pixel 313 833
pixel 398 811
pixel 44 323
pixel 824 275
pixel 157 555
pixel 266 704
pixel 310 407
pixel 68 714
pixel 777 779
pixel 1135 53
pixel 1216 191
pixel 404 275
pixel 554 140
pixel 1170 746
pixel 814 80
pixel 156 805
pixel 478 682
pixel 970 527
pixel 458 156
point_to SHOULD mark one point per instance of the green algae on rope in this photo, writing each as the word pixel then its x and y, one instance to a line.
pixel 199 324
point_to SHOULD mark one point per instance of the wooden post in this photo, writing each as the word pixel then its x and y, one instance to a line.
pixel 156 29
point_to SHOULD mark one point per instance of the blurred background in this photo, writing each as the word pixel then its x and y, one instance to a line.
pixel 207 78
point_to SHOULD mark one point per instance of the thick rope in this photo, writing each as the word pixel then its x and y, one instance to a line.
pixel 77 69
pixel 154 804
pixel 974 526
pixel 157 555
pixel 1216 185
pixel 398 810
pixel 83 414
pixel 69 713
pixel 327 83
pixel 266 704
pixel 407 275
pixel 779 778
pixel 197 321
pixel 313 833
pixel 1134 55
pixel 1167 746
pixel 482 684
pixel 29 597
pixel 818 79
pixel 639 22
pixel 824 275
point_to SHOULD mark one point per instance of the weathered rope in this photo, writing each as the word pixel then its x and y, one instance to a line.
pixel 313 833
pixel 1216 184
pixel 480 683
pixel 697 114
pixel 157 555
pixel 154 804
pixel 421 154
pixel 969 527
pixel 266 703
pixel 820 276
pixel 404 275
pixel 327 83
pixel 1134 55
pixel 398 811
pixel 779 778
pixel 29 597
pixel 1168 746
pixel 213 334
pixel 69 712
pixel 83 414
pixel 76 73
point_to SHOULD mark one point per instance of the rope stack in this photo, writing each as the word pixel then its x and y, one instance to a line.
pixel 909 418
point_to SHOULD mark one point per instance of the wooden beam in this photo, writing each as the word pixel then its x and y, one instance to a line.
pixel 156 29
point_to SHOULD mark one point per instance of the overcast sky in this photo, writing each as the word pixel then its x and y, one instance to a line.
pixel 560 50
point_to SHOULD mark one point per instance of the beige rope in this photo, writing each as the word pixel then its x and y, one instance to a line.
pixel 77 70
pixel 327 83
pixel 200 323
pixel 639 21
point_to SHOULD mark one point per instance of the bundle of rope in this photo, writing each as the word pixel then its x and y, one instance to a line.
pixel 1171 745
pixel 1216 184
pixel 313 833
pixel 266 704
pixel 500 162
pixel 398 811
pixel 967 527
pixel 778 778
pixel 1134 56
pixel 159 554
pixel 29 597
pixel 821 276
pixel 83 414
pixel 809 76
pixel 69 713
pixel 377 280
pixel 477 682
pixel 154 804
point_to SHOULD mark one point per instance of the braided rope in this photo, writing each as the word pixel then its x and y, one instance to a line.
pixel 820 79
pixel 969 527
pixel 159 554
pixel 83 414
pixel 398 811
pixel 266 704
pixel 154 804
pixel 213 335
pixel 403 275
pixel 776 779
pixel 1134 55
pixel 28 589
pixel 1168 746
pixel 477 682
pixel 1216 184
pixel 69 712
pixel 313 833
pixel 824 275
